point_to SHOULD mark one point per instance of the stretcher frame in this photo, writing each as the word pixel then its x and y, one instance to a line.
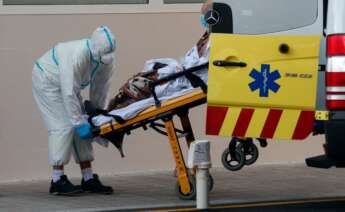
pixel 165 111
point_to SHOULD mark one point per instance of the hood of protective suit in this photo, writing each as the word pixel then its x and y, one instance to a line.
pixel 102 43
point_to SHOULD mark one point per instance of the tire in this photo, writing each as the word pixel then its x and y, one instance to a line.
pixel 192 194
pixel 251 155
pixel 233 164
pixel 335 145
pixel 210 182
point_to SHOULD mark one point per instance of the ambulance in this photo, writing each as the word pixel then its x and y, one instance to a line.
pixel 277 71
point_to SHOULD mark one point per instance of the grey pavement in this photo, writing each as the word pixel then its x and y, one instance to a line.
pixel 152 190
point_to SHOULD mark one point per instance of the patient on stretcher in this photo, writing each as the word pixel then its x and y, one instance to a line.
pixel 135 96
pixel 137 88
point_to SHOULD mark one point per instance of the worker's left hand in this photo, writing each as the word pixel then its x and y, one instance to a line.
pixel 84 131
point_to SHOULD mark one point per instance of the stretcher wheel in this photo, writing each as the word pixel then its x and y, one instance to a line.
pixel 233 163
pixel 192 194
pixel 251 153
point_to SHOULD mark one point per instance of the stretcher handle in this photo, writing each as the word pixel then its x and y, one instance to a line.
pixel 224 63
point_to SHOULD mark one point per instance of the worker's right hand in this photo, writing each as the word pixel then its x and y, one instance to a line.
pixel 84 131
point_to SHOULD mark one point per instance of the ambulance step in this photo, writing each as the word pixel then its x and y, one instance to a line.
pixel 323 162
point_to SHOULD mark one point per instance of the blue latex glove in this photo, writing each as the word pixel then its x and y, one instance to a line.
pixel 84 131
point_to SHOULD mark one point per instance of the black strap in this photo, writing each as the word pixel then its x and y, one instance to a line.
pixel 117 118
pixel 89 119
pixel 156 126
pixel 196 81
pixel 159 65
pixel 116 138
pixel 92 112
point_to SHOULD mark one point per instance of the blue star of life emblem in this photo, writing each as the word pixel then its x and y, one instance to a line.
pixel 264 80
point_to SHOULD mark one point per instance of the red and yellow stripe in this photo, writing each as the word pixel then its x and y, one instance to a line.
pixel 259 122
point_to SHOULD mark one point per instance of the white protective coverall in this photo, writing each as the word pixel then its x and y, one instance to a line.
pixel 57 80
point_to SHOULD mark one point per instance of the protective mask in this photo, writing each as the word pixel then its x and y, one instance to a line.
pixel 203 22
pixel 107 59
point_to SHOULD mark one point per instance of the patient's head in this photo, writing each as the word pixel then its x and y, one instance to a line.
pixel 206 6
pixel 204 9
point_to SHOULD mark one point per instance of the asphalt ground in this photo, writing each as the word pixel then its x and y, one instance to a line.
pixel 318 204
pixel 254 188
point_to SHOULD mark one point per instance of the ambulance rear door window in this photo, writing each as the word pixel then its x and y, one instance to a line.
pixel 269 16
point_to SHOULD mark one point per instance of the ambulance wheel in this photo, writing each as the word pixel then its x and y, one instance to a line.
pixel 210 182
pixel 251 154
pixel 233 163
pixel 189 196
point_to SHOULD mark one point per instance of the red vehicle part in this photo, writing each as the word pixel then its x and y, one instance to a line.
pixel 335 75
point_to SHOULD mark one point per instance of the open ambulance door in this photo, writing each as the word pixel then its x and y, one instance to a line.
pixel 262 86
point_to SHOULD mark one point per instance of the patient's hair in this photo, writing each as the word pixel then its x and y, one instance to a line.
pixel 136 88
pixel 206 6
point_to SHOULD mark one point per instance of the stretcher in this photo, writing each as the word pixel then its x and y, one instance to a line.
pixel 164 112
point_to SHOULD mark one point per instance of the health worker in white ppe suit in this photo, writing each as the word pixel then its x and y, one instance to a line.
pixel 57 80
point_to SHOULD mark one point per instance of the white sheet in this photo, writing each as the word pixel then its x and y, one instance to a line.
pixel 172 89
pixel 133 109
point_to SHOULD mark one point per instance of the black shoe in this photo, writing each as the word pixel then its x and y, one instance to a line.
pixel 64 187
pixel 95 186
